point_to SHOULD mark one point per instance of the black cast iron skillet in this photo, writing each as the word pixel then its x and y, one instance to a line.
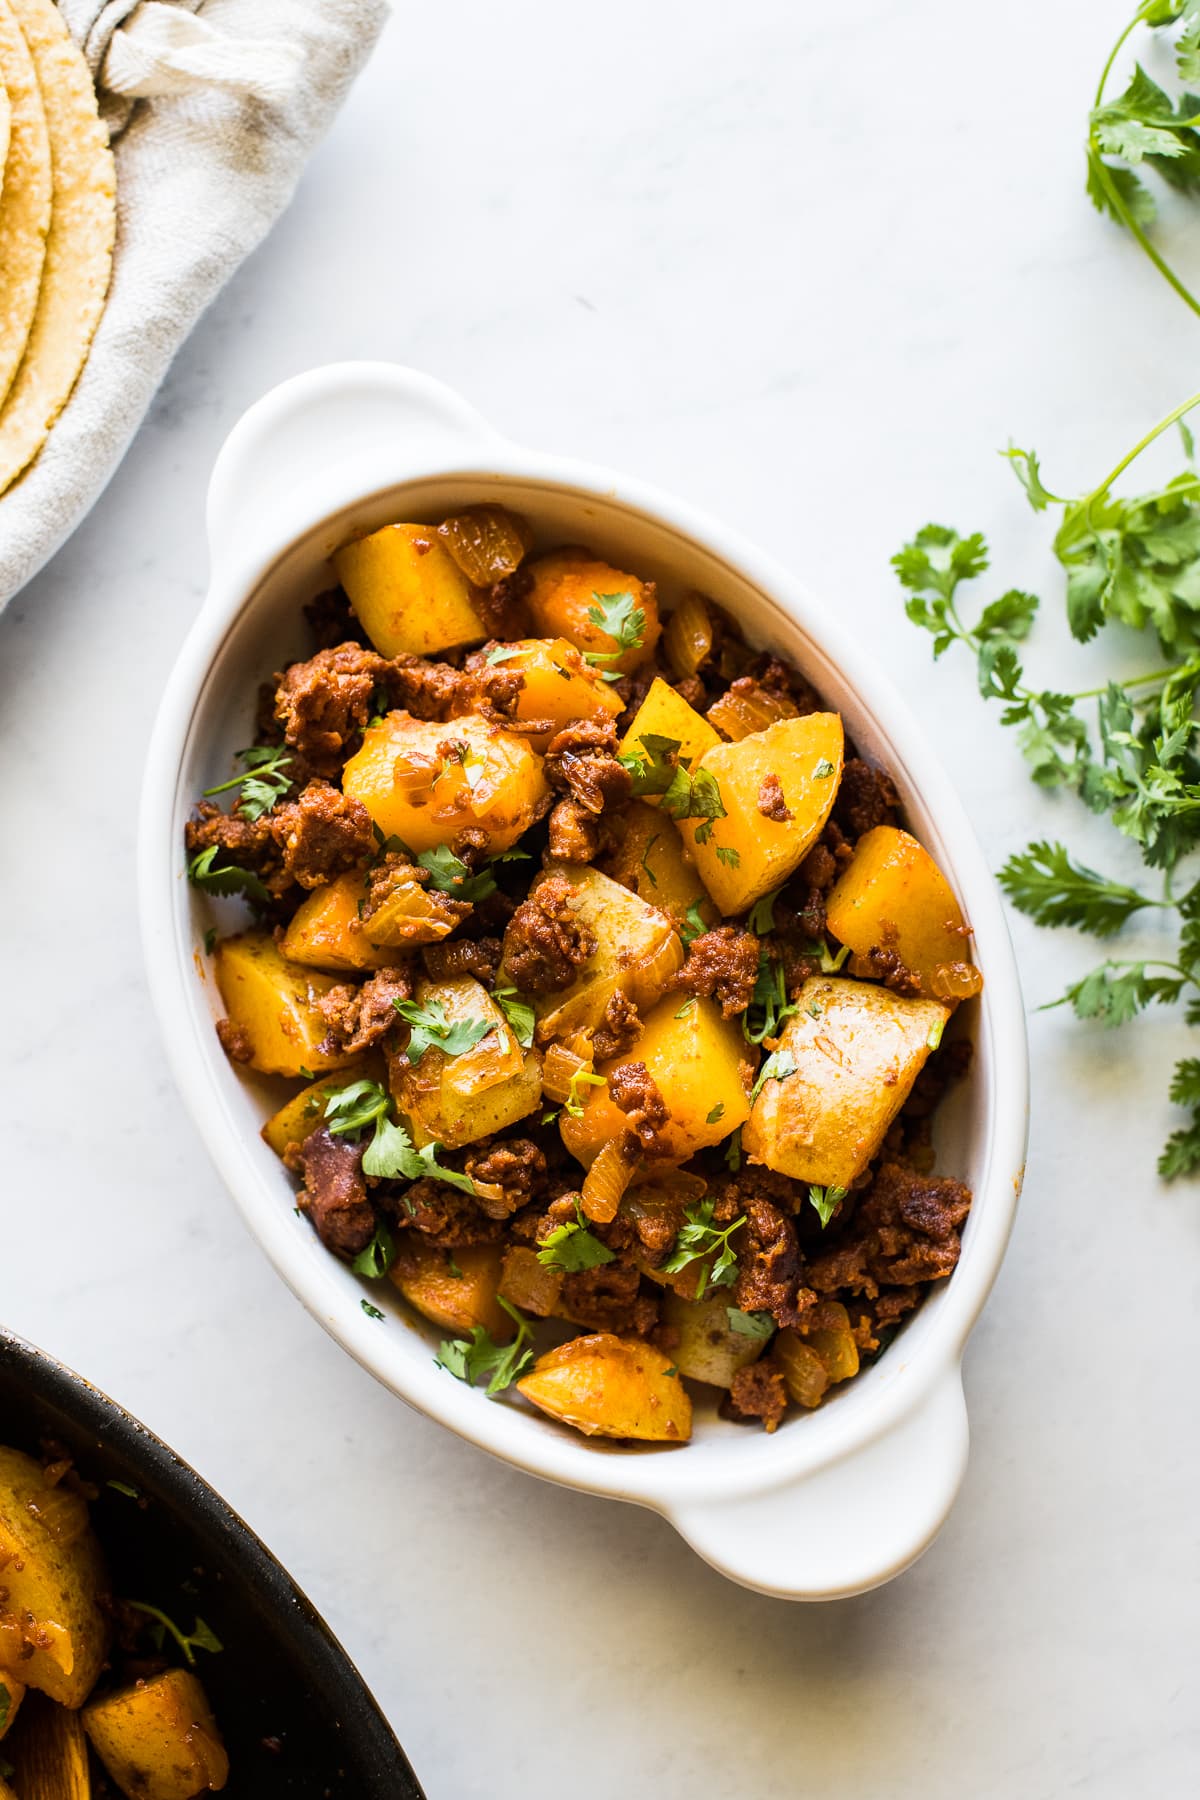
pixel 296 1716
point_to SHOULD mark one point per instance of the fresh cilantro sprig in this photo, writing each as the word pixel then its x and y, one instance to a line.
pixel 224 878
pixel 769 1005
pixel 450 875
pixel 470 1359
pixel 431 1030
pixel 624 621
pixel 378 1257
pixel 518 1012
pixel 263 782
pixel 200 1637
pixel 1045 882
pixel 778 1066
pixel 699 1240
pixel 391 1155
pixel 572 1247
pixel 1144 129
pixel 682 793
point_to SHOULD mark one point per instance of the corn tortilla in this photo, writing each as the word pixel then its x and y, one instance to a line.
pixel 4 118
pixel 24 198
pixel 79 244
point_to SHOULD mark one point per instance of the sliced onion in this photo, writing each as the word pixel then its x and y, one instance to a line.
pixel 956 981
pixel 605 1182
pixel 409 915
pixel 61 1512
pixel 688 638
pixel 747 709
pixel 559 1065
pixel 804 1374
pixel 487 542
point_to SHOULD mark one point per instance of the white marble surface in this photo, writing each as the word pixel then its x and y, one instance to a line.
pixel 810 266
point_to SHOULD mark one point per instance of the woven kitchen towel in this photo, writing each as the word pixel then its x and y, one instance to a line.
pixel 213 112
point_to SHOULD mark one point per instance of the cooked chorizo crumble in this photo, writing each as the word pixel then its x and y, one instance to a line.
pixel 613 981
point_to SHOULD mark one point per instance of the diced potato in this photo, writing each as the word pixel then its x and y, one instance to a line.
pixel 274 1002
pixel 298 1117
pixel 416 791
pixel 51 1575
pixel 804 1374
pixel 857 1050
pixel 426 1276
pixel 559 686
pixel 326 931
pixel 703 1069
pixel 892 895
pixel 708 1348
pixel 607 1386
pixel 568 584
pixel 651 862
pixel 664 713
pixel 409 593
pixel 158 1738
pixel 528 1284
pixel 453 1100
pixel 806 755
pixel 828 1332
pixel 12 1692
pixel 638 953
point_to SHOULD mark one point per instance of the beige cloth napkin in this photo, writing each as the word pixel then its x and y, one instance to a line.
pixel 213 112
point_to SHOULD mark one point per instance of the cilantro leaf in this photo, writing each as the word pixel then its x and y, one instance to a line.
pixel 573 1247
pixel 573 1104
pixel 1116 992
pixel 826 1200
pixel 519 1014
pixel 472 1358
pixel 699 1240
pixel 695 926
pixel 390 1156
pixel 200 1637
pixel 761 917
pixel 757 1325
pixel 769 1005
pixel 431 1030
pixel 378 1257
pixel 1044 882
pixel 778 1066
pixel 263 782
pixel 228 878
pixel 654 772
pixel 622 619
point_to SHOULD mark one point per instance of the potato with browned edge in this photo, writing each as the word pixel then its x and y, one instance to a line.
pixel 272 1004
pixel 844 1066
pixel 557 686
pixel 455 1289
pixel 777 788
pixel 607 1386
pixel 893 896
pixel 52 1626
pixel 158 1738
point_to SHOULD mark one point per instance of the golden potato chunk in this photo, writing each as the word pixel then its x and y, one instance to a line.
pixel 559 687
pixel 849 1057
pixel 409 593
pixel 327 932
pixel 455 1289
pixel 298 1117
pixel 748 852
pixel 273 1002
pixel 893 896
pixel 702 1067
pixel 455 1099
pixel 51 1576
pixel 664 713
pixel 650 861
pixel 607 1386
pixel 638 953
pixel 709 1349
pixel 158 1739
pixel 423 782
pixel 570 585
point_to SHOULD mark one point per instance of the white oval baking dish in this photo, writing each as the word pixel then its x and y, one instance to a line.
pixel 838 1500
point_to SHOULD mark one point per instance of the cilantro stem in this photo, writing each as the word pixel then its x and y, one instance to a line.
pixel 1143 443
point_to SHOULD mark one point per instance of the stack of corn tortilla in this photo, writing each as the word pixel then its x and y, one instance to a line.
pixel 57 225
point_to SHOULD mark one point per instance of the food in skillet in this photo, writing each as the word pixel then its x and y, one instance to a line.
pixel 80 1667
pixel 616 986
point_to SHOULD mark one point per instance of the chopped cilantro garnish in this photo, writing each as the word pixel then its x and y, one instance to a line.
pixel 264 782
pixel 759 1325
pixel 200 1637
pixel 574 1101
pixel 573 1247
pixel 431 1030
pixel 700 1240
pixel 826 1200
pixel 378 1257
pixel 471 1358
pixel 778 1066
pixel 519 1014
pixel 229 878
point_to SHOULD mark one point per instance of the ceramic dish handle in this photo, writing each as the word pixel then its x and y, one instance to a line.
pixel 851 1525
pixel 321 441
